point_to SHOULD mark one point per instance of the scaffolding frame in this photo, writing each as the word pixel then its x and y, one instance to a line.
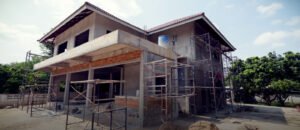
pixel 36 97
pixel 52 96
pixel 168 89
pixel 214 48
pixel 28 88
pixel 93 105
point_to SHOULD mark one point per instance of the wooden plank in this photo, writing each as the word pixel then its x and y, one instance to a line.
pixel 83 58
pixel 101 62
pixel 62 64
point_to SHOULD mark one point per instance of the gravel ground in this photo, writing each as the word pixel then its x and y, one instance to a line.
pixel 260 118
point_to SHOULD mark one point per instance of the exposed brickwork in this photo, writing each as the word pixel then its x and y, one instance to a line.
pixel 131 103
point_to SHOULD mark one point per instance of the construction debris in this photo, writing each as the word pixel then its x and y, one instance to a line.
pixel 248 127
pixel 203 125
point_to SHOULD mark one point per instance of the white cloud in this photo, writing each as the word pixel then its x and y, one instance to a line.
pixel 120 8
pixel 277 38
pixel 60 9
pixel 293 21
pixel 229 6
pixel 16 40
pixel 277 21
pixel 269 9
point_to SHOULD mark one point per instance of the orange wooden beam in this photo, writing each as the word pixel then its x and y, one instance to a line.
pixel 101 62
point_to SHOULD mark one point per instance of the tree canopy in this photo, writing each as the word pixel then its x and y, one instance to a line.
pixel 15 74
pixel 270 77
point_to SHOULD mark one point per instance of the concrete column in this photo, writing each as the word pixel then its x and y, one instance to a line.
pixel 55 49
pixel 175 101
pixel 89 92
pixel 111 87
pixel 67 87
pixel 141 88
pixel 50 85
pixel 121 84
pixel 71 43
pixel 187 99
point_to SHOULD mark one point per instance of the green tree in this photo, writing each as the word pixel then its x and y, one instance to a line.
pixel 256 75
pixel 47 49
pixel 282 89
pixel 4 76
pixel 15 74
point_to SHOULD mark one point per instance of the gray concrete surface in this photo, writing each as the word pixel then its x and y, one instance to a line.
pixel 260 117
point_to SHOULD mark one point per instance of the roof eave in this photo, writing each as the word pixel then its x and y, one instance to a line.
pixel 93 8
pixel 81 8
pixel 218 32
pixel 175 25
pixel 191 20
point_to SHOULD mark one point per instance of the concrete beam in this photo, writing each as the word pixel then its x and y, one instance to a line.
pixel 102 43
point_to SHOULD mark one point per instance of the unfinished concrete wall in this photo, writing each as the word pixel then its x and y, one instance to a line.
pixel 69 35
pixel 182 34
pixel 57 81
pixel 104 25
pixel 131 76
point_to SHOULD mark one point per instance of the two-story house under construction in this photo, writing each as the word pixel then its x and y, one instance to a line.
pixel 156 74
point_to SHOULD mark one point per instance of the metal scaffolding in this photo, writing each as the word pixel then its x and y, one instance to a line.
pixel 209 63
pixel 94 108
pixel 36 97
pixel 31 93
pixel 162 82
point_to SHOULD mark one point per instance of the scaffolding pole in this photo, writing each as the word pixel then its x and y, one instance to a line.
pixel 162 84
pixel 95 106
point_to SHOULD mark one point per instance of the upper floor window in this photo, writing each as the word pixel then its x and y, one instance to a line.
pixel 81 38
pixel 62 48
pixel 108 31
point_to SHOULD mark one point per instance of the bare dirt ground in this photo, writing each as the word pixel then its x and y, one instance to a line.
pixel 258 118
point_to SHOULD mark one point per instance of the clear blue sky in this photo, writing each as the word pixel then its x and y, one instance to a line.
pixel 254 27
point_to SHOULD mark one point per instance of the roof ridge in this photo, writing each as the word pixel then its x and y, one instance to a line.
pixel 174 21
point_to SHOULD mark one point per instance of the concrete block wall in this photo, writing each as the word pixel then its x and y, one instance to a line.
pixel 131 76
pixel 13 99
